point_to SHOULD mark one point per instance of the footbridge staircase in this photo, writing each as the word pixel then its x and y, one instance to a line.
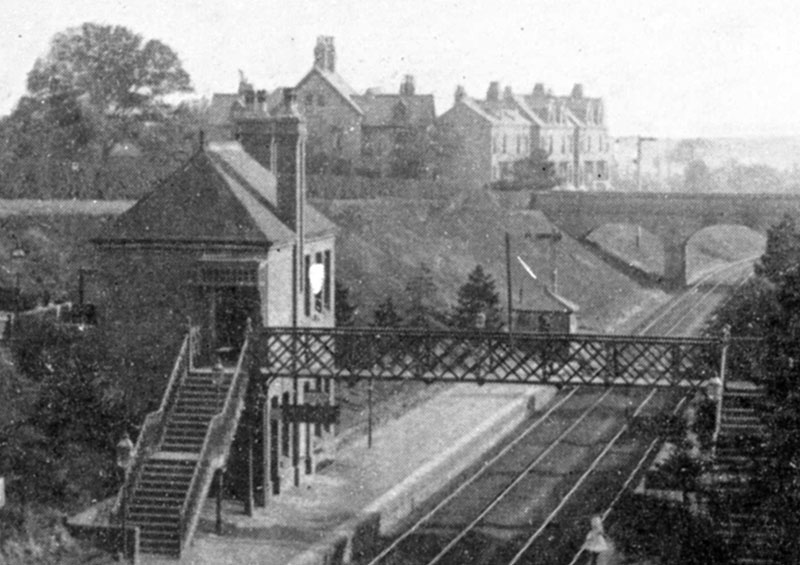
pixel 180 448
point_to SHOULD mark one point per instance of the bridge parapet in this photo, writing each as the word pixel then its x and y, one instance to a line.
pixel 483 357
pixel 672 216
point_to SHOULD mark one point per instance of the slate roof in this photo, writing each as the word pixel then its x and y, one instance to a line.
pixel 221 107
pixel 221 195
pixel 379 109
pixel 495 112
pixel 337 83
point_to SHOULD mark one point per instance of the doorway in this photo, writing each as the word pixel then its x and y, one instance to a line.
pixel 232 306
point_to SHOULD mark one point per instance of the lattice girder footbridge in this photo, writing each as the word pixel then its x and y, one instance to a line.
pixel 485 356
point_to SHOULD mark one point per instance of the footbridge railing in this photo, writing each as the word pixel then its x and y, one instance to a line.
pixel 486 356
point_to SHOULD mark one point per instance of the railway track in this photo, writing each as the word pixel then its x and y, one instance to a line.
pixel 579 454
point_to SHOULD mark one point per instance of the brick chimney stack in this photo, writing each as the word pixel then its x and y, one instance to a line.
pixel 538 90
pixel 325 54
pixel 460 94
pixel 289 160
pixel 407 86
pixel 493 93
pixel 577 91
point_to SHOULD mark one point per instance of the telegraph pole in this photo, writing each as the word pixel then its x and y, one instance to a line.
pixel 639 141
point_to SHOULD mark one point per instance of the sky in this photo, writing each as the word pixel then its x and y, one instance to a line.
pixel 668 68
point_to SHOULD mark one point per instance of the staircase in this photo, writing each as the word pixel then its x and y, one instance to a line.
pixel 180 448
pixel 750 532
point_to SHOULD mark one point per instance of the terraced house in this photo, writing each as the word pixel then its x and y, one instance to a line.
pixel 570 130
pixel 492 135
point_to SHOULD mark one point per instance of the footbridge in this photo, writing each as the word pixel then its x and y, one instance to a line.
pixel 498 357
pixel 673 216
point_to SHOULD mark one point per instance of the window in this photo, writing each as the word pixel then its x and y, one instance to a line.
pixel 326 289
pixel 320 100
pixel 337 133
pixel 318 298
pixel 563 144
pixel 494 144
pixel 309 99
pixel 550 144
pixel 307 285
pixel 588 143
pixel 505 143
pixel 519 144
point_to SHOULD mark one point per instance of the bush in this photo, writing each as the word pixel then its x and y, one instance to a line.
pixel 644 527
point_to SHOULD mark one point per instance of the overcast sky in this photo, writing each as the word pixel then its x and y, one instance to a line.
pixel 668 68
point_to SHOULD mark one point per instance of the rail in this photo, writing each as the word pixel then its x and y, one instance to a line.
pixel 487 356
pixel 154 426
pixel 216 445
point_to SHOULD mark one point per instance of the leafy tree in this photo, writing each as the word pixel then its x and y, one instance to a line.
pixel 109 67
pixel 697 177
pixel 536 172
pixel 782 252
pixel 386 315
pixel 478 296
pixel 98 89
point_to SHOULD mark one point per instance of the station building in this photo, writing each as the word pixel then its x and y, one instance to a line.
pixel 226 240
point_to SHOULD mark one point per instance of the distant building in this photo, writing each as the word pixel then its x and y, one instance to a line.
pixel 492 135
pixel 569 129
pixel 351 130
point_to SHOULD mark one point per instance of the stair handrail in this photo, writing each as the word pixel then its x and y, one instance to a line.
pixel 154 427
pixel 216 446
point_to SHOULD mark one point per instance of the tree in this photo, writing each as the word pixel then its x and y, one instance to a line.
pixel 98 89
pixel 422 293
pixel 345 312
pixel 109 67
pixel 697 177
pixel 478 296
pixel 386 315
pixel 535 172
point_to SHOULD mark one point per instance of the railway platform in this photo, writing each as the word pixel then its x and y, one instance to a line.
pixel 365 492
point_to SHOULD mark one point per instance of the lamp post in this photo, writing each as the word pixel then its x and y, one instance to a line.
pixel 124 458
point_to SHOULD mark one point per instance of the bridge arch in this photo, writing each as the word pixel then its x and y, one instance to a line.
pixel 719 244
pixel 673 217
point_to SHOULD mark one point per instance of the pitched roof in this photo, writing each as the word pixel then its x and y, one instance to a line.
pixel 337 83
pixel 536 297
pixel 220 196
pixel 219 111
pixel 379 109
pixel 495 112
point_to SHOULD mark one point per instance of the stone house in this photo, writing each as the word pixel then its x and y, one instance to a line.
pixel 491 135
pixel 356 131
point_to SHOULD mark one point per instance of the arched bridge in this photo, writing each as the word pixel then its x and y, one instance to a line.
pixel 673 216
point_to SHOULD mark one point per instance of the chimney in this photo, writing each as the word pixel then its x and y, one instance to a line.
pixel 461 93
pixel 508 93
pixel 261 101
pixel 538 90
pixel 577 91
pixel 407 86
pixel 493 94
pixel 289 160
pixel 325 54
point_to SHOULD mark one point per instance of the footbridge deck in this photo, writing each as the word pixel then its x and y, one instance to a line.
pixel 500 357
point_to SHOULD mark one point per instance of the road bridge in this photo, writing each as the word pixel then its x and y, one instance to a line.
pixel 674 217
